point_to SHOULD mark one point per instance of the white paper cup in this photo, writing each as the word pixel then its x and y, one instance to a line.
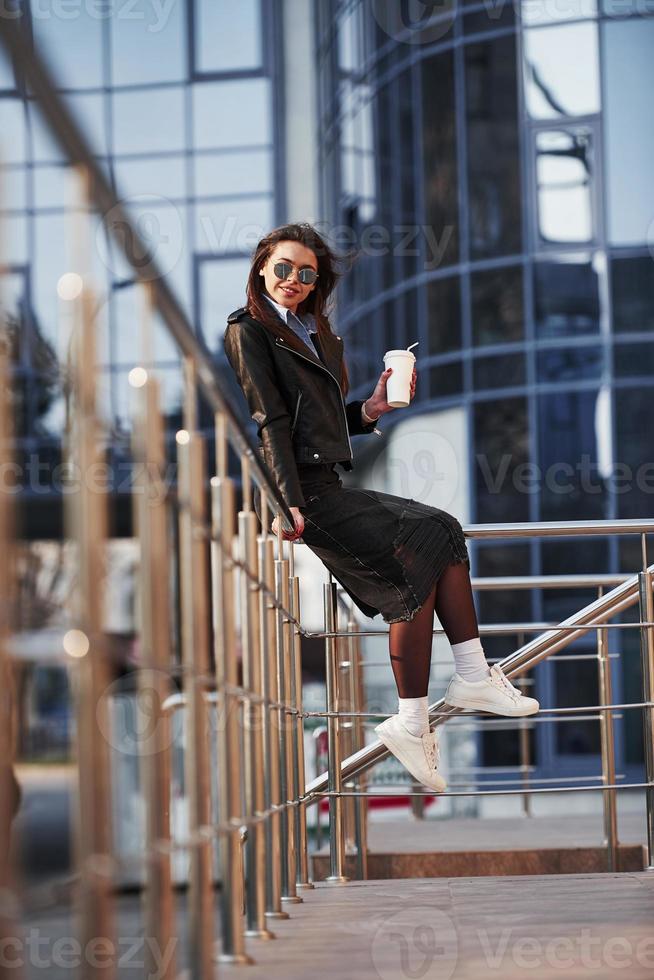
pixel 398 385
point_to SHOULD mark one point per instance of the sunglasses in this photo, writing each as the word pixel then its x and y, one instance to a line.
pixel 306 276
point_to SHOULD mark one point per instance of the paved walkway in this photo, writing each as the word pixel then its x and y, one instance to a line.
pixel 567 926
pixel 557 927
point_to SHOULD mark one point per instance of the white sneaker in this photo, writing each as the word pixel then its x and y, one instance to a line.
pixel 495 693
pixel 419 754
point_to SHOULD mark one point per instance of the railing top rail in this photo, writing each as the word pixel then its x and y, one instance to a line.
pixel 545 529
pixel 491 582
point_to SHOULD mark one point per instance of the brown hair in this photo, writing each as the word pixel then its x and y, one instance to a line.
pixel 316 302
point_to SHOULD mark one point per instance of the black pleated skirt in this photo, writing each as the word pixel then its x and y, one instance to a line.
pixel 387 552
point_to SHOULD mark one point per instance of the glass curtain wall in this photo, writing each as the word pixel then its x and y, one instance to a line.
pixel 505 220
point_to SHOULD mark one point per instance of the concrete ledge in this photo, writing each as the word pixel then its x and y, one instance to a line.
pixel 461 864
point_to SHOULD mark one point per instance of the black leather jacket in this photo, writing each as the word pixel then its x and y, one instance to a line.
pixel 294 398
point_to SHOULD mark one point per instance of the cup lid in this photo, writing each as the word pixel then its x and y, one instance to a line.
pixel 396 353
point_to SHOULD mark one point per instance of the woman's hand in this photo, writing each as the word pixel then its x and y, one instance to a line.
pixel 299 525
pixel 377 404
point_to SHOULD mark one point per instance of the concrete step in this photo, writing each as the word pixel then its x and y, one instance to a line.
pixel 480 847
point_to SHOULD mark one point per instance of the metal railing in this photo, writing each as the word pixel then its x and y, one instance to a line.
pixel 219 566
pixel 630 590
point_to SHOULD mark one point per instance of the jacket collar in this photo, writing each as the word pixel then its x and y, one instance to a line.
pixel 307 318
pixel 329 345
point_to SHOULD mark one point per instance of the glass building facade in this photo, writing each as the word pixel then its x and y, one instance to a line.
pixel 180 103
pixel 490 167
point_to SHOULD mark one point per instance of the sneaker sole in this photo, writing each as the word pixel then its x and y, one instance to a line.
pixel 475 705
pixel 392 747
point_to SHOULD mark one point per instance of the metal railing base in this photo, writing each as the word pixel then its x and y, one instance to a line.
pixel 262 934
pixel 235 959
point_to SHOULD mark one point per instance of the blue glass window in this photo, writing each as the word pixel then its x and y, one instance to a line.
pixel 71 37
pixel 444 315
pixel 628 130
pixel 439 153
pixel 501 452
pixel 232 113
pixel 635 480
pixel 569 363
pixel 219 174
pixel 222 289
pixel 632 293
pixel 139 116
pixel 228 36
pixel 565 174
pixel 572 442
pixel 492 120
pixel 566 297
pixel 502 371
pixel 562 71
pixel 13 130
pixel 497 305
pixel 151 47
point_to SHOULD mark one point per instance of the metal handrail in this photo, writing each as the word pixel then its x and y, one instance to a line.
pixel 557 529
pixel 525 658
pixel 491 582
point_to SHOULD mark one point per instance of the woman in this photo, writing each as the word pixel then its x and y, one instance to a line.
pixel 395 557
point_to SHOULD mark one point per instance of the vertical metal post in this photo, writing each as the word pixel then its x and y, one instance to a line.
pixel 646 606
pixel 318 769
pixel 298 758
pixel 270 654
pixel 150 514
pixel 358 702
pixel 607 744
pixel 287 724
pixel 194 595
pixel 346 698
pixel 336 823
pixel 255 849
pixel 86 520
pixel 223 509
pixel 523 730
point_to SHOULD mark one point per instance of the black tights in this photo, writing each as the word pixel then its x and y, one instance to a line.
pixel 411 641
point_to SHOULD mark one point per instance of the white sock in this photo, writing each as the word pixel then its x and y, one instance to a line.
pixel 414 715
pixel 469 660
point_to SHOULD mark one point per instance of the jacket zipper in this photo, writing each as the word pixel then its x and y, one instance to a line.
pixel 297 353
pixel 297 409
